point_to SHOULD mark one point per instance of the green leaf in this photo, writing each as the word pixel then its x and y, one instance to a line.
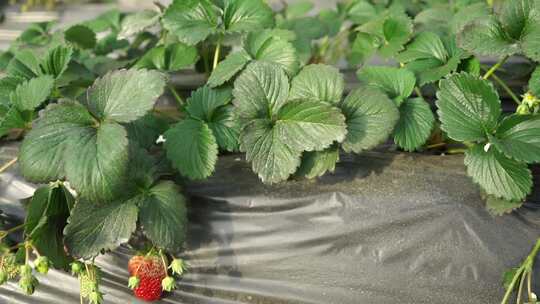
pixel 319 83
pixel 144 169
pixel 370 117
pixel 309 125
pixel 213 107
pixel 56 61
pixel 94 227
pixel 515 29
pixel 180 55
pixel 81 36
pixel 192 148
pixel 498 175
pixel 469 13
pixel 43 150
pixel 37 33
pixel 66 141
pixel 138 22
pixel 317 163
pixel 531 41
pixel 110 20
pixel 205 101
pixel 24 65
pixel 46 217
pixel 361 12
pixel 191 20
pixel 518 137
pixel 226 128
pixel 272 159
pixel 499 206
pixel 534 82
pixel 363 48
pixel 397 31
pixel 96 162
pixel 163 216
pixel 31 94
pixel 111 44
pixel 436 19
pixel 516 16
pixel 266 46
pixel 228 68
pixel 305 28
pixel 431 70
pixel 298 9
pixel 426 45
pixel 153 59
pixel 125 95
pixel 261 90
pixel 469 107
pixel 397 83
pixel 332 21
pixel 471 65
pixel 8 85
pixel 247 15
pixel 414 125
pixel 172 57
pixel 486 37
pixel 14 119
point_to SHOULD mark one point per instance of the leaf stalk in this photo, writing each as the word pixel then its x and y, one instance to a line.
pixel 177 97
pixel 495 67
pixel 8 164
pixel 523 272
pixel 216 55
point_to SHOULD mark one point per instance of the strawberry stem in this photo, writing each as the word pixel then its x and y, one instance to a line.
pixel 165 266
pixel 27 247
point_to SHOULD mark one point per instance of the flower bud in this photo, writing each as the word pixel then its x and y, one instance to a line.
pixel 42 264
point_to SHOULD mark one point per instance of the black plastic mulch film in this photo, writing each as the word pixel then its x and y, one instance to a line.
pixel 385 228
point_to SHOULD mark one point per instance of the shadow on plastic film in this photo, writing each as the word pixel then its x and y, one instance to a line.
pixel 211 233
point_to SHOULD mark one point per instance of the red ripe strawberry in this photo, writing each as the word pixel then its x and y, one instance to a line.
pixel 150 271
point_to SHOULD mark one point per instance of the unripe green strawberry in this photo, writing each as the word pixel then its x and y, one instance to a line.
pixel 168 283
pixel 3 276
pixel 76 267
pixel 28 284
pixel 523 109
pixel 178 266
pixel 42 264
pixel 25 270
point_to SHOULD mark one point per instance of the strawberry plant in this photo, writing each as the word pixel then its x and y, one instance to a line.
pixel 82 100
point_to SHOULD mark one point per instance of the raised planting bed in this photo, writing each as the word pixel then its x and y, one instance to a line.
pixel 228 152
pixel 348 237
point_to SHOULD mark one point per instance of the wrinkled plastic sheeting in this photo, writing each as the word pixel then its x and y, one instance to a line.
pixel 385 228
